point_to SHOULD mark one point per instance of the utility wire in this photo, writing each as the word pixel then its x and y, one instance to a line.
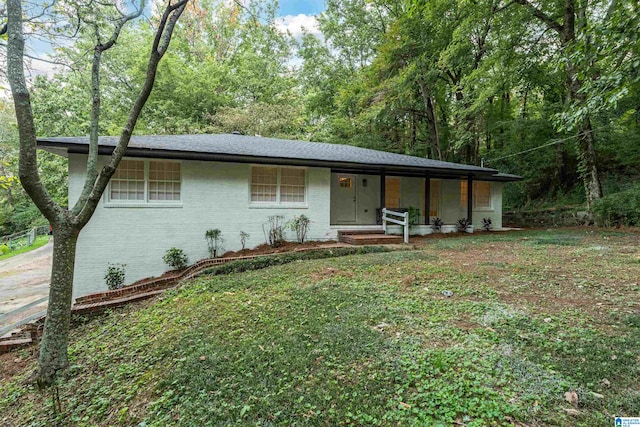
pixel 547 144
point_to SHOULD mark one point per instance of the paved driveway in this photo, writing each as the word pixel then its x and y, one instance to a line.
pixel 25 278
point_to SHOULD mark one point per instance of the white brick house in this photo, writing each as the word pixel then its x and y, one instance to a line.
pixel 170 189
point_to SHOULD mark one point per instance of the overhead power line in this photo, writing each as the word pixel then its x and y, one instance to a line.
pixel 546 144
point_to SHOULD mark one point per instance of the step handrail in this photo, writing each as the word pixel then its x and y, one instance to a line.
pixel 387 216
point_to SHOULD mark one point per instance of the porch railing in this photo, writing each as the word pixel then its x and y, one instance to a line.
pixel 392 217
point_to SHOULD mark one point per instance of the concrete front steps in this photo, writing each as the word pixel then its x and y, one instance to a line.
pixel 368 237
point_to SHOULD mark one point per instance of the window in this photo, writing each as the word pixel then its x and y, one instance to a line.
pixel 345 182
pixel 481 195
pixel 164 180
pixel 278 185
pixel 392 192
pixel 145 181
pixel 127 182
pixel 264 184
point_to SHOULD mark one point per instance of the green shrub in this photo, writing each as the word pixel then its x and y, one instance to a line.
pixel 214 241
pixel 114 278
pixel 300 224
pixel 4 249
pixel 618 209
pixel 175 258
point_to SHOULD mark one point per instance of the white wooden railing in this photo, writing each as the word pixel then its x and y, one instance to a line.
pixel 388 216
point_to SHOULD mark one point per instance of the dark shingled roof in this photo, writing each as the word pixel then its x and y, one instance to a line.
pixel 241 148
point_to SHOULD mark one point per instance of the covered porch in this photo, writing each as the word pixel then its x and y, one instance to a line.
pixel 357 199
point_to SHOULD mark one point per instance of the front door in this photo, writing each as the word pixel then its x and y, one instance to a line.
pixel 343 199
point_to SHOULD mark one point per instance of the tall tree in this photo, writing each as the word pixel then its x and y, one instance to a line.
pixel 567 20
pixel 97 19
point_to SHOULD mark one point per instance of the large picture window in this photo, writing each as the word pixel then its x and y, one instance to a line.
pixel 146 181
pixel 481 195
pixel 278 185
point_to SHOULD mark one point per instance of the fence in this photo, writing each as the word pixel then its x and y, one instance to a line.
pixel 23 238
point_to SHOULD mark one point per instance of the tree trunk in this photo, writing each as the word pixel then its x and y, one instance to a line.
pixel 588 167
pixel 53 348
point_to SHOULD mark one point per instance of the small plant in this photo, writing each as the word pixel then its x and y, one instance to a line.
pixel 176 259
pixel 243 239
pixel 300 224
pixel 463 225
pixel 214 241
pixel 486 224
pixel 114 278
pixel 436 224
pixel 4 249
pixel 274 231
pixel 414 215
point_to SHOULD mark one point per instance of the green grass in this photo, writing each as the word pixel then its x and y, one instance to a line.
pixel 369 339
pixel 40 241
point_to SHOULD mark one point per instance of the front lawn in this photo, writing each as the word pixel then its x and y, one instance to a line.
pixel 542 328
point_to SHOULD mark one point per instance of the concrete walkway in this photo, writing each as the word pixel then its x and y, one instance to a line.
pixel 24 279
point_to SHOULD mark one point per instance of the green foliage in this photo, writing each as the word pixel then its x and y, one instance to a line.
pixel 300 224
pixel 365 340
pixel 414 215
pixel 214 242
pixel 176 258
pixel 115 276
pixel 619 209
pixel 243 239
pixel 273 231
pixel 4 249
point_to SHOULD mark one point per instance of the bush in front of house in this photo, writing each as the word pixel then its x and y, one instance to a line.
pixel 463 225
pixel 243 239
pixel 487 224
pixel 176 259
pixel 115 276
pixel 214 242
pixel 300 224
pixel 274 231
pixel 619 209
pixel 436 224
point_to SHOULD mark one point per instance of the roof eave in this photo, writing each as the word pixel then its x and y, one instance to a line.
pixel 57 147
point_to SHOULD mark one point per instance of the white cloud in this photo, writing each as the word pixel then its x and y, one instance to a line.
pixel 296 23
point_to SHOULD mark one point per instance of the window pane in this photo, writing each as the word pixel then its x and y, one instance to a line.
pixel 164 180
pixel 127 182
pixel 392 192
pixel 292 185
pixel 264 184
pixel 482 194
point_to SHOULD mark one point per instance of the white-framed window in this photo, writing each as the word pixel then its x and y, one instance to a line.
pixel 481 195
pixel 127 183
pixel 140 182
pixel 278 185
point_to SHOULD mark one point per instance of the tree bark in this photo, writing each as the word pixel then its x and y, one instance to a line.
pixel 55 338
pixel 587 167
